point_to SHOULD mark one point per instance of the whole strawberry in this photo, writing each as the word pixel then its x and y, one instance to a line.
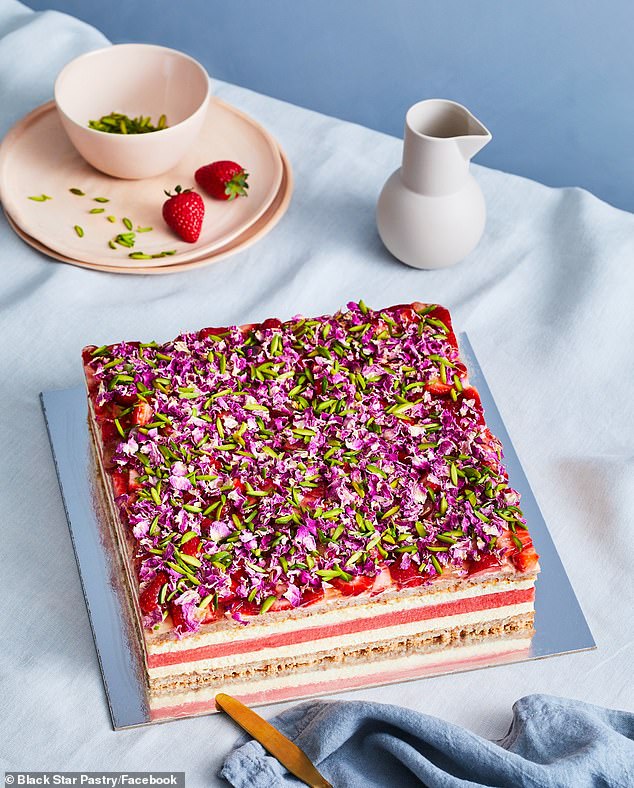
pixel 184 212
pixel 224 180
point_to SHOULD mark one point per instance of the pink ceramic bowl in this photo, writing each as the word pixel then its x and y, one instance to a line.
pixel 133 79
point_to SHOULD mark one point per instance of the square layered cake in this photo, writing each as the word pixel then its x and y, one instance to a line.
pixel 307 506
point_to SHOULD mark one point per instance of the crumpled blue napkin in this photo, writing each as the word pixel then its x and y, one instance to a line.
pixel 552 742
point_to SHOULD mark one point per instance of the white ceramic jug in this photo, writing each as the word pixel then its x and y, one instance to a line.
pixel 431 211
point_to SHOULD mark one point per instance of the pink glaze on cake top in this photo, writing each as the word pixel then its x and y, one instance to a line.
pixel 254 464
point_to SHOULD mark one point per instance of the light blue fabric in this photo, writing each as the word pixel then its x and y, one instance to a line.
pixel 546 300
pixel 552 743
pixel 33 49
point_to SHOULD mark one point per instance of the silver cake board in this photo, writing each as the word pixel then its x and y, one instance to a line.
pixel 560 624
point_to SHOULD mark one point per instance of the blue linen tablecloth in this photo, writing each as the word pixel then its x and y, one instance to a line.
pixel 546 299
pixel 552 743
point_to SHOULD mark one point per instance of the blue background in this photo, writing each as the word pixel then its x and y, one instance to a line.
pixel 551 79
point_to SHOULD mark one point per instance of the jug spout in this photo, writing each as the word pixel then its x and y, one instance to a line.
pixel 441 137
pixel 472 142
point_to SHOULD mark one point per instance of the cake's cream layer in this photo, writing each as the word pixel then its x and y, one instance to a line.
pixel 162 651
pixel 277 636
pixel 341 641
pixel 362 652
pixel 342 677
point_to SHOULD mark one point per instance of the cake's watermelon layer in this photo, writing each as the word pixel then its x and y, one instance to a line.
pixel 413 667
pixel 315 633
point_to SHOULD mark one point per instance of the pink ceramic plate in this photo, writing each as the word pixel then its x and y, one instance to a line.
pixel 258 229
pixel 37 158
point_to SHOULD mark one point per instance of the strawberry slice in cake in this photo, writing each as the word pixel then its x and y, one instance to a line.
pixel 308 506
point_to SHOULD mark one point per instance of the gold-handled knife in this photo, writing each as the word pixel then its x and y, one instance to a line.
pixel 287 753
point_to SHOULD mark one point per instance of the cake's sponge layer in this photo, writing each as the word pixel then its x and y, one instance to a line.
pixel 363 612
pixel 300 651
pixel 364 650
pixel 453 651
pixel 429 618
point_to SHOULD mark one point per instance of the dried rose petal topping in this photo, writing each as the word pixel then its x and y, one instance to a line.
pixel 303 455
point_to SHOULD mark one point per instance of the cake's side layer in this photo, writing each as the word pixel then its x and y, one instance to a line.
pixel 464 654
pixel 230 637
pixel 334 644
pixel 122 538
pixel 121 580
pixel 424 618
